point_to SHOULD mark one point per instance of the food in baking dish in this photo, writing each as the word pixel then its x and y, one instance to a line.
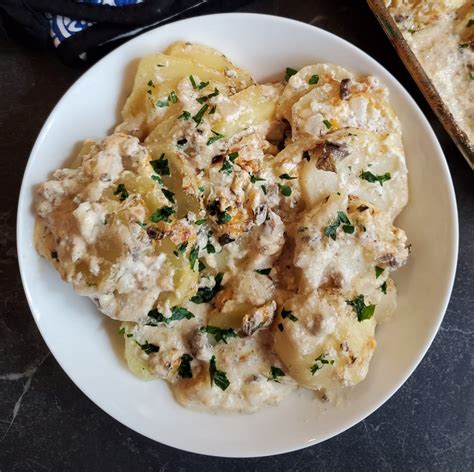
pixel 441 35
pixel 241 233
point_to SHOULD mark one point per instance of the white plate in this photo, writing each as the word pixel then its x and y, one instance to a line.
pixel 87 345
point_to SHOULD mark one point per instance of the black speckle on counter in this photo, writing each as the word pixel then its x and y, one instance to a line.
pixel 46 423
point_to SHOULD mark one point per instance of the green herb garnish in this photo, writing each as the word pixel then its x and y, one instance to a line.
pixel 372 178
pixel 314 79
pixel 172 97
pixel 200 222
pixel 206 294
pixel 287 177
pixel 363 311
pixel 196 86
pixel 168 194
pixel 162 103
pixel 142 225
pixel 184 116
pixel 254 179
pixel 289 72
pixel 227 167
pixel 162 214
pixel 285 190
pixel 160 166
pixel 470 23
pixel 319 362
pixel 378 271
pixel 327 124
pixel 331 229
pixel 184 369
pixel 54 255
pixel 275 372
pixel 216 136
pixel 264 271
pixel 220 334
pixel 280 326
pixel 148 348
pixel 288 314
pixel 383 287
pixel 193 255
pixel 177 313
pixel 122 192
pixel 218 377
pixel 198 116
pixel 180 249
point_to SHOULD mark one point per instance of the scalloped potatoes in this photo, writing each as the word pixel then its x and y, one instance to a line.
pixel 243 233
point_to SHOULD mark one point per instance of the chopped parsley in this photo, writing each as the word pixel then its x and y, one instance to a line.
pixel 162 103
pixel 212 110
pixel 254 179
pixel 206 294
pixel 184 116
pixel 218 377
pixel 289 72
pixel 285 190
pixel 372 178
pixel 180 249
pixel 470 23
pixel 306 156
pixel 184 369
pixel 383 287
pixel 463 46
pixel 288 314
pixel 200 222
pixel 319 363
pixel 204 99
pixel 151 84
pixel 233 156
pixel 264 189
pixel 331 229
pixel 363 311
pixel 162 214
pixel 223 217
pixel 160 166
pixel 201 266
pixel 220 334
pixel 287 177
pixel 378 271
pixel 198 116
pixel 142 225
pixel 121 331
pixel 264 271
pixel 122 192
pixel 314 79
pixel 193 255
pixel 177 313
pixel 210 248
pixel 168 194
pixel 327 124
pixel 227 167
pixel 280 326
pixel 275 372
pixel 216 136
pixel 54 255
pixel 196 86
pixel 172 97
pixel 148 348
pixel 181 142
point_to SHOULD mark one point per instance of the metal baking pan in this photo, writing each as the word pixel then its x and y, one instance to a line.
pixel 422 80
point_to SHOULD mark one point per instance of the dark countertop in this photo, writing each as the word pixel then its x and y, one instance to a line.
pixel 46 423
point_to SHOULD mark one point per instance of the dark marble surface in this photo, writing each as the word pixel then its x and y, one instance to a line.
pixel 46 423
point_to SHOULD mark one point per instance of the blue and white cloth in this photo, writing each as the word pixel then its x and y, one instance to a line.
pixel 62 27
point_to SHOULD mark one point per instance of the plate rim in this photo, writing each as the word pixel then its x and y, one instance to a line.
pixel 454 232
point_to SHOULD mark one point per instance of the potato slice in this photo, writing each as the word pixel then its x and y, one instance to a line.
pixel 304 80
pixel 211 58
pixel 157 77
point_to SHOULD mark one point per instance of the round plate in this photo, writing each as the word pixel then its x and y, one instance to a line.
pixel 87 345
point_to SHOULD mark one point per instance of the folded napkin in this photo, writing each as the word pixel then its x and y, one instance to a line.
pixel 85 30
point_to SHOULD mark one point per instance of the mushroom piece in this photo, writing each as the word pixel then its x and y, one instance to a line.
pixel 345 89
pixel 261 318
pixel 332 153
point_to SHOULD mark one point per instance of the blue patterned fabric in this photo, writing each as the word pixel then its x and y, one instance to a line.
pixel 62 27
